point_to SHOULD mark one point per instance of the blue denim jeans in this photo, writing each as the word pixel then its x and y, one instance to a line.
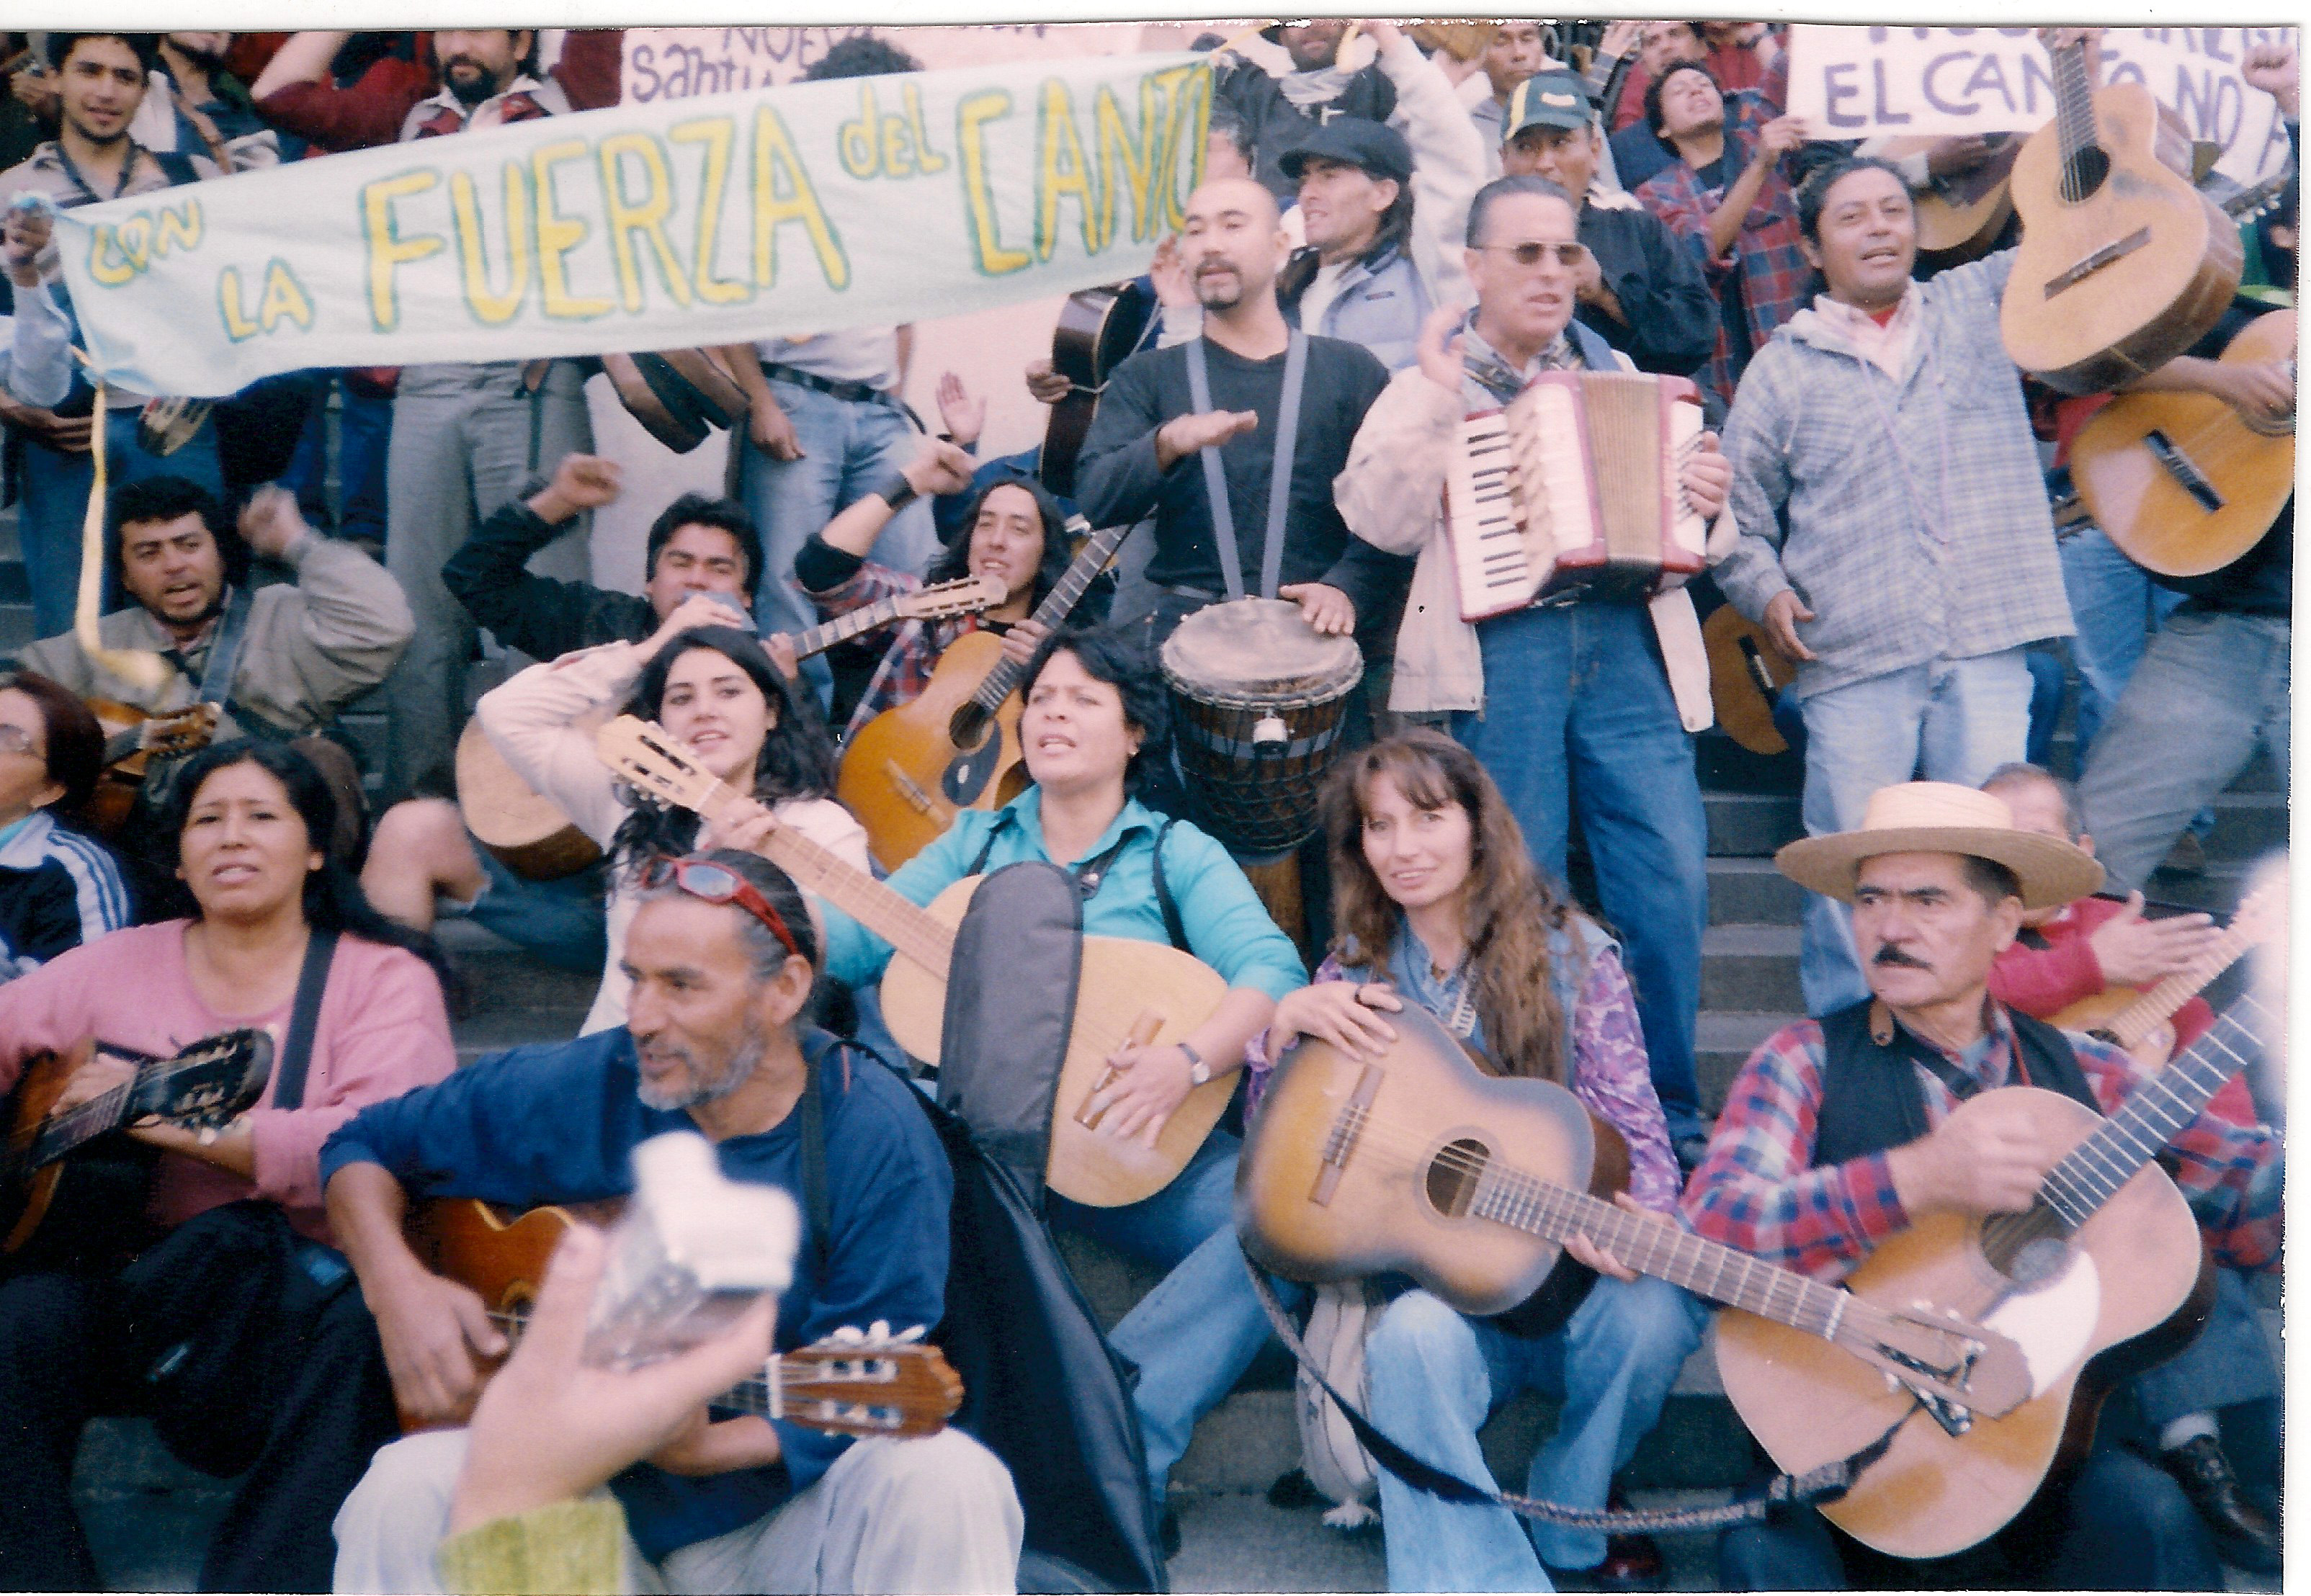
pixel 1578 720
pixel 1435 1376
pixel 364 432
pixel 2115 606
pixel 848 448
pixel 2211 688
pixel 1193 1336
pixel 562 922
pixel 56 487
pixel 1950 721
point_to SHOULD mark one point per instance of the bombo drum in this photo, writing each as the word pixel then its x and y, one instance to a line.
pixel 1258 697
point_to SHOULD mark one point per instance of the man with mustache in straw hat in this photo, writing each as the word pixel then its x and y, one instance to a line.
pixel 1838 1133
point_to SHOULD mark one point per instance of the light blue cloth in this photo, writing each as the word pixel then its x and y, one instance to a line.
pixel 1226 924
pixel 1435 1376
pixel 1950 721
pixel 37 365
pixel 849 447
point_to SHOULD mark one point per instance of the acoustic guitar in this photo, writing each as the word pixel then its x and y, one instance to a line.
pixel 2136 1020
pixel 532 838
pixel 2102 1276
pixel 1128 994
pixel 908 772
pixel 1416 1162
pixel 133 740
pixel 1746 670
pixel 2182 483
pixel 848 1384
pixel 1098 328
pixel 1960 216
pixel 2122 264
pixel 63 1199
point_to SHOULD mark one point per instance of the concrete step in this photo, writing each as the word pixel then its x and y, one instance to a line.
pixel 1752 891
pixel 1751 967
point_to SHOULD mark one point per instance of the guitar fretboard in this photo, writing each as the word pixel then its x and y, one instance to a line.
pixel 2074 119
pixel 818 639
pixel 2138 1018
pixel 1058 604
pixel 2152 1115
pixel 1659 1247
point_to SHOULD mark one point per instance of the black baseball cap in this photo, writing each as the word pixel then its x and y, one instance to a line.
pixel 1547 99
pixel 1377 148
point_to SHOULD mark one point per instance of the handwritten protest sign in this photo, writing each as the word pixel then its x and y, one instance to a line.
pixel 715 220
pixel 681 63
pixel 1857 82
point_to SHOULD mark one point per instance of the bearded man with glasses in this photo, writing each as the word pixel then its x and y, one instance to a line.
pixel 1586 706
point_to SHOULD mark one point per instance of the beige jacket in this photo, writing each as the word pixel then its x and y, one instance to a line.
pixel 1392 494
pixel 310 648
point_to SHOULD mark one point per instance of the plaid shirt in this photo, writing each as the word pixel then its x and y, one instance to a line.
pixel 1772 271
pixel 907 665
pixel 1757 1191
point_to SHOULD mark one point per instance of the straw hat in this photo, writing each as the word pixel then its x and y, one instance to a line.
pixel 1942 817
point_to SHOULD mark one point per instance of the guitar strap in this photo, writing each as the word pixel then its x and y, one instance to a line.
pixel 1279 474
pixel 817 1211
pixel 1089 874
pixel 224 648
pixel 1825 1484
pixel 305 1016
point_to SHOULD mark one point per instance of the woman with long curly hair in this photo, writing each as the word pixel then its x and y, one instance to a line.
pixel 712 687
pixel 1437 903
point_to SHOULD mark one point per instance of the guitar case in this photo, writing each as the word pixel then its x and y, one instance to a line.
pixel 1043 1389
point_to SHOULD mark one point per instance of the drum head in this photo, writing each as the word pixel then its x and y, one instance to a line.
pixel 1258 648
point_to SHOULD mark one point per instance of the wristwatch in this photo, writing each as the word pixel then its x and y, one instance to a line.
pixel 1199 1072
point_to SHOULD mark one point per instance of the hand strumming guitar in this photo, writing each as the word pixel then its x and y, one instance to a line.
pixel 1991 1161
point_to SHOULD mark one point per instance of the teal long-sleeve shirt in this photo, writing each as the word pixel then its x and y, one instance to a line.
pixel 1226 924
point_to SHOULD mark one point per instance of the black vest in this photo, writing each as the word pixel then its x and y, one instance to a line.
pixel 1871 1099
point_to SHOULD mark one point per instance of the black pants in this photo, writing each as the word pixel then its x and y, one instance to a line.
pixel 60 1365
pixel 2121 1525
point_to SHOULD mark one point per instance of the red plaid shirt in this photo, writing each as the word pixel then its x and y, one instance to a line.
pixel 915 649
pixel 1772 271
pixel 1759 1193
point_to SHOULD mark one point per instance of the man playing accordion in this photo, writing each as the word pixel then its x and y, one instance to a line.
pixel 1588 697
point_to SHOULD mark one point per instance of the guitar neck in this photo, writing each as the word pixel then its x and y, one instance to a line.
pixel 2074 119
pixel 65 1133
pixel 899 922
pixel 2152 1115
pixel 1654 1247
pixel 1056 606
pixel 2147 1013
pixel 818 639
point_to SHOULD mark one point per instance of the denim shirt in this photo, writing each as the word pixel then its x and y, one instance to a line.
pixel 1226 926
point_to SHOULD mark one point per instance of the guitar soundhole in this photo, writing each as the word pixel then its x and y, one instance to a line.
pixel 2028 1249
pixel 967 728
pixel 1454 1174
pixel 2085 173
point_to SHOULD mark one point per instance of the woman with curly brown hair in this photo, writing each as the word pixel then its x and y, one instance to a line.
pixel 1438 904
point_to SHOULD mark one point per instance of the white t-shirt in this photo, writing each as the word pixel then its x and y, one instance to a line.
pixel 1322 289
pixel 867 354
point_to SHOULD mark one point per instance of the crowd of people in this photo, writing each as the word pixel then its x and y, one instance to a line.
pixel 1395 229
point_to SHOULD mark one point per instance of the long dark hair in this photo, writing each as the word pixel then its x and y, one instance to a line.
pixel 954 561
pixel 333 898
pixel 1510 909
pixel 796 759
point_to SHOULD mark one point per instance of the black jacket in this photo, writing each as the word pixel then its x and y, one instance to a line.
pixel 543 618
pixel 1672 314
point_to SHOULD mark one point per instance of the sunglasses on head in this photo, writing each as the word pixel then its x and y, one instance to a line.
pixel 1569 256
pixel 711 883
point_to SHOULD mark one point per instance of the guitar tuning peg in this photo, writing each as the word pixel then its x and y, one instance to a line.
pixel 911 1334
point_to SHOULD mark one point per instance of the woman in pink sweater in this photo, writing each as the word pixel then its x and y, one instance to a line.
pixel 307 1401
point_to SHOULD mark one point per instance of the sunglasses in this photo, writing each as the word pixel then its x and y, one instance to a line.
pixel 1569 255
pixel 711 883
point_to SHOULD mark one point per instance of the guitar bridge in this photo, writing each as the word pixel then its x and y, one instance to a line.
pixel 1341 1143
pixel 2184 470
pixel 910 790
pixel 2080 270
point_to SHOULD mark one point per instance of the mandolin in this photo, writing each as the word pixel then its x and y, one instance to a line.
pixel 133 740
pixel 2182 483
pixel 2136 1020
pixel 63 1199
pixel 851 1383
pixel 1745 672
pixel 1417 1162
pixel 2122 264
pixel 1098 328
pixel 2103 1274
pixel 1960 216
pixel 529 831
pixel 1128 994
pixel 908 772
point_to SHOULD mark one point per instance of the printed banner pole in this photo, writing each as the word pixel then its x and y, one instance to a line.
pixel 801 209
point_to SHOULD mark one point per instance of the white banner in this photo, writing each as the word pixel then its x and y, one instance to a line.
pixel 683 62
pixel 1858 82
pixel 720 220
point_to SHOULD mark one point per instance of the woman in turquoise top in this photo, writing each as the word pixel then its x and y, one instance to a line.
pixel 1094 714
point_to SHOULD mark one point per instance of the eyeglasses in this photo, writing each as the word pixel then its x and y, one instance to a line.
pixel 1529 255
pixel 15 740
pixel 711 884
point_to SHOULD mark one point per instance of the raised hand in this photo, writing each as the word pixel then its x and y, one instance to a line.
pixel 939 467
pixel 699 609
pixel 2273 66
pixel 581 482
pixel 1183 435
pixel 1440 348
pixel 1781 135
pixel 28 224
pixel 1174 284
pixel 2135 952
pixel 271 523
pixel 965 415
